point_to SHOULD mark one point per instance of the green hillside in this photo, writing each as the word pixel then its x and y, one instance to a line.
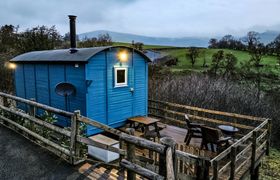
pixel 185 64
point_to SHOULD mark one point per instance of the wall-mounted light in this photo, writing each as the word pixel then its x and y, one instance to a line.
pixel 122 56
pixel 12 66
pixel 76 65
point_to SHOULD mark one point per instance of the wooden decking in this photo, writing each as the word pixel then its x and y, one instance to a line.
pixel 153 160
pixel 98 172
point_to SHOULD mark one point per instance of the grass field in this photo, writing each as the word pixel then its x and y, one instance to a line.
pixel 242 56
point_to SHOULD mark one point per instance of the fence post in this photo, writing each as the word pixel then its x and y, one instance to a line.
pixel 232 162
pixel 122 145
pixel 268 136
pixel 130 155
pixel 169 143
pixel 78 132
pixel 253 157
pixel 73 137
pixel 5 102
pixel 165 112
pixel 215 170
pixel 202 172
pixel 32 112
pixel 32 109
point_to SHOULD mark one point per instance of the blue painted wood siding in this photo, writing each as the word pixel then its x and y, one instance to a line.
pixel 101 100
pixel 113 105
pixel 39 81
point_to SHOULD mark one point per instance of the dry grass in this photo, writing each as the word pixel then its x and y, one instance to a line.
pixel 208 92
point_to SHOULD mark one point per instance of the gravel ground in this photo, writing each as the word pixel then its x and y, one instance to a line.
pixel 21 159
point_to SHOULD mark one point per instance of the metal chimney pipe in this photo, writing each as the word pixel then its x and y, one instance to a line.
pixel 73 45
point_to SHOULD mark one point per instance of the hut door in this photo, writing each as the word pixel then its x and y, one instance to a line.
pixel 119 91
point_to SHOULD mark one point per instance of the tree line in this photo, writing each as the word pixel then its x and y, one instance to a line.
pixel 14 42
pixel 245 44
pixel 42 38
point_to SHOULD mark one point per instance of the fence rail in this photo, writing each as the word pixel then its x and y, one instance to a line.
pixel 171 161
pixel 243 156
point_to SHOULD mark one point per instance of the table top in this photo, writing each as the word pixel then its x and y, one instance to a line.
pixel 228 128
pixel 144 120
pixel 104 139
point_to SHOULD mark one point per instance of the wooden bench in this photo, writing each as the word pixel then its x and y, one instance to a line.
pixel 101 154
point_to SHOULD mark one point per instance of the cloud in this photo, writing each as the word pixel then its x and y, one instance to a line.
pixel 171 18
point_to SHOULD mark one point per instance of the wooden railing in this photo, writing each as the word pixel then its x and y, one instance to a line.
pixel 243 156
pixel 167 161
pixel 29 124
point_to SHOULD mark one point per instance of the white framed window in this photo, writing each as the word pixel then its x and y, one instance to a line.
pixel 120 76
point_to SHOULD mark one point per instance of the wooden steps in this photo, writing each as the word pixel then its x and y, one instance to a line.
pixel 101 173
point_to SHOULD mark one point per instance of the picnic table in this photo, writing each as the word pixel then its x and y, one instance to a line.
pixel 144 123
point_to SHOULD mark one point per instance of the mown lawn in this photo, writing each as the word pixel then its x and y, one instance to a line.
pixel 270 168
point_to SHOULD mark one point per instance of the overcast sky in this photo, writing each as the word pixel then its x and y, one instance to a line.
pixel 162 18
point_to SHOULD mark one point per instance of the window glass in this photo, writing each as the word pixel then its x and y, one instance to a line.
pixel 121 76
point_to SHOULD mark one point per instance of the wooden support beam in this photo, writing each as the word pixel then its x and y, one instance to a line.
pixel 202 169
pixel 32 112
pixel 168 142
pixel 232 162
pixel 170 166
pixel 131 155
pixel 78 133
pixel 254 149
pixel 268 136
pixel 32 109
pixel 5 102
pixel 255 175
pixel 215 170
pixel 73 137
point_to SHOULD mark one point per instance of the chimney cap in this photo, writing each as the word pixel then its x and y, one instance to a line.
pixel 72 16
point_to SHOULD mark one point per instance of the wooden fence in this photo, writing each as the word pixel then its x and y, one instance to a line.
pixel 168 162
pixel 242 157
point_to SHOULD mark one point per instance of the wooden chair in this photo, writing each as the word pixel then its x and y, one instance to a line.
pixel 214 138
pixel 194 130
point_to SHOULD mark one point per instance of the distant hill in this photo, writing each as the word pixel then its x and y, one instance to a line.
pixel 266 37
pixel 125 37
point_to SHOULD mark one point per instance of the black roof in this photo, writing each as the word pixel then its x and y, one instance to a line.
pixel 64 55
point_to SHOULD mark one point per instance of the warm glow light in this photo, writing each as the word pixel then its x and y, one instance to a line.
pixel 123 56
pixel 12 66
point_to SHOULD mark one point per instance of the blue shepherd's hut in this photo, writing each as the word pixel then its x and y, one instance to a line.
pixel 108 84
